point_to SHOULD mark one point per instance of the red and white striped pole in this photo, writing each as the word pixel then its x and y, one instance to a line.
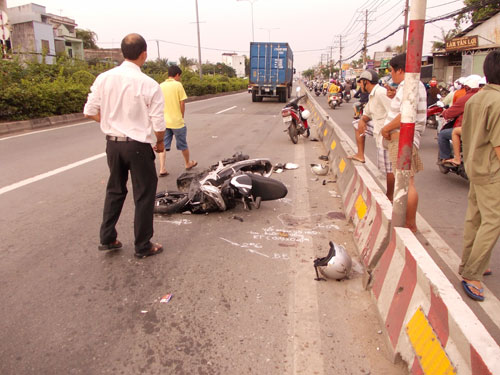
pixel 408 111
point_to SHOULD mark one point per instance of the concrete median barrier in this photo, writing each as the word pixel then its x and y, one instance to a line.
pixel 427 323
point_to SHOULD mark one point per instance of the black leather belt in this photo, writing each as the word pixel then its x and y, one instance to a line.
pixel 118 139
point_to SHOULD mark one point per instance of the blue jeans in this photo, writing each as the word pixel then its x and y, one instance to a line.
pixel 444 138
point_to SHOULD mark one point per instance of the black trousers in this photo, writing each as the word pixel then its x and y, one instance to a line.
pixel 138 158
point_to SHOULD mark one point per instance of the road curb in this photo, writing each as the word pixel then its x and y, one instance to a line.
pixel 427 323
pixel 19 126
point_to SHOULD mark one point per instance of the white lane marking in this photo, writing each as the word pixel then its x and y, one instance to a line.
pixel 46 130
pixel 227 109
pixel 42 176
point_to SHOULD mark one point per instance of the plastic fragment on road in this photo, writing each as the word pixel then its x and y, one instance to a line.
pixel 144 311
pixel 291 166
pixel 166 298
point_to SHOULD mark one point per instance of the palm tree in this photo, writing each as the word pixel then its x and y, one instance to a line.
pixel 440 43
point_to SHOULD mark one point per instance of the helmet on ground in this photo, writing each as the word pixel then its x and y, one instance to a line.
pixel 319 169
pixel 370 75
pixel 305 114
pixel 336 265
pixel 472 81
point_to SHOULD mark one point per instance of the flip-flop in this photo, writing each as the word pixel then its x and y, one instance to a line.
pixel 487 273
pixel 155 249
pixel 163 174
pixel 115 245
pixel 467 288
pixel 352 157
pixel 195 163
pixel 449 162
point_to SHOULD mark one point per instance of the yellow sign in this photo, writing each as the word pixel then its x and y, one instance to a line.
pixel 465 42
pixel 360 206
pixel 431 355
pixel 342 166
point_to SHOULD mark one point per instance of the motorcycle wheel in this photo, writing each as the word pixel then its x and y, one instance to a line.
pixel 292 132
pixel 169 204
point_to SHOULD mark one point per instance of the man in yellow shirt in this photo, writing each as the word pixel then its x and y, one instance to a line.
pixel 174 95
pixel 333 89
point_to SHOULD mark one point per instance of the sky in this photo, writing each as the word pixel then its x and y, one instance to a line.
pixel 309 26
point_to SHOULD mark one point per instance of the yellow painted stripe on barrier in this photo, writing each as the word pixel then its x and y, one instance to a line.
pixel 325 132
pixel 321 124
pixel 360 206
pixel 342 165
pixel 333 145
pixel 431 355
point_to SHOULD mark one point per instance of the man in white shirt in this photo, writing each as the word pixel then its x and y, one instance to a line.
pixel 371 123
pixel 390 132
pixel 129 106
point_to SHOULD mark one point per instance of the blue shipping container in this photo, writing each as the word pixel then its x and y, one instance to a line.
pixel 271 66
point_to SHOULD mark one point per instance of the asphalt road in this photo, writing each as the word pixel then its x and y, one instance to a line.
pixel 244 299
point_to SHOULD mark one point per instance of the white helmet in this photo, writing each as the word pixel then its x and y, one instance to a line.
pixel 336 265
pixel 319 169
pixel 482 82
pixel 472 81
pixel 305 114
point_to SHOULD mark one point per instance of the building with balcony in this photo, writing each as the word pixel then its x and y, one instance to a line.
pixel 36 33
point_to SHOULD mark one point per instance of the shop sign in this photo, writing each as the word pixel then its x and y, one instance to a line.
pixel 463 43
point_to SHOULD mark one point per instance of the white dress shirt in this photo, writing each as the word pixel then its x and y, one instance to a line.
pixel 130 103
pixel 376 109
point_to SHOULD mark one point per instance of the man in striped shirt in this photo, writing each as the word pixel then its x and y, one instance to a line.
pixel 390 132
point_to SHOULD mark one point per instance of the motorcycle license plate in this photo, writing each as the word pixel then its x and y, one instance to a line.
pixel 287 119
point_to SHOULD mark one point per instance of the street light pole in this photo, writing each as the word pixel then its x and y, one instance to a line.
pixel 251 4
pixel 199 44
pixel 269 30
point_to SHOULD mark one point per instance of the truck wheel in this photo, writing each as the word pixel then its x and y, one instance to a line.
pixel 254 96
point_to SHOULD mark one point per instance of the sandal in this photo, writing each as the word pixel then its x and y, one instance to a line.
pixel 115 245
pixel 353 157
pixel 155 249
pixel 192 164
pixel 468 290
pixel 163 174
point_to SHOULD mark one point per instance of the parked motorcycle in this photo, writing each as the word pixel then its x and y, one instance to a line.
pixel 221 188
pixel 433 111
pixel 295 119
pixel 334 99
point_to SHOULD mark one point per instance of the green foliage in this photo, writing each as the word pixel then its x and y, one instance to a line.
pixel 33 90
pixel 481 10
pixel 89 38
pixel 309 73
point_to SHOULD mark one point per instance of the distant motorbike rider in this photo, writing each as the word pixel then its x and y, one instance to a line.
pixel 432 92
pixel 363 99
pixel 333 89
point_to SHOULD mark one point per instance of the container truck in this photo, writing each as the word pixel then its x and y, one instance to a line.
pixel 271 70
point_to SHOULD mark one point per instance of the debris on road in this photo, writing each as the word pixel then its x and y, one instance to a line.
pixel 323 157
pixel 291 166
pixel 320 170
pixel 166 298
pixel 238 218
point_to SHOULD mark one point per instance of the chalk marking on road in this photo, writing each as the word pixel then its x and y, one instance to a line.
pixel 176 222
pixel 227 109
pixel 46 130
pixel 246 247
pixel 45 175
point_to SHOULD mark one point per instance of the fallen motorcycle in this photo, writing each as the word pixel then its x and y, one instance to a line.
pixel 222 186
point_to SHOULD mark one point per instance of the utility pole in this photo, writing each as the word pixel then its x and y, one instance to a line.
pixel 199 44
pixel 158 47
pixel 409 112
pixel 365 43
pixel 330 66
pixel 340 60
pixel 405 30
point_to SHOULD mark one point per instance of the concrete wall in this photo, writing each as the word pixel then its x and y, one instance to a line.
pixel 25 13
